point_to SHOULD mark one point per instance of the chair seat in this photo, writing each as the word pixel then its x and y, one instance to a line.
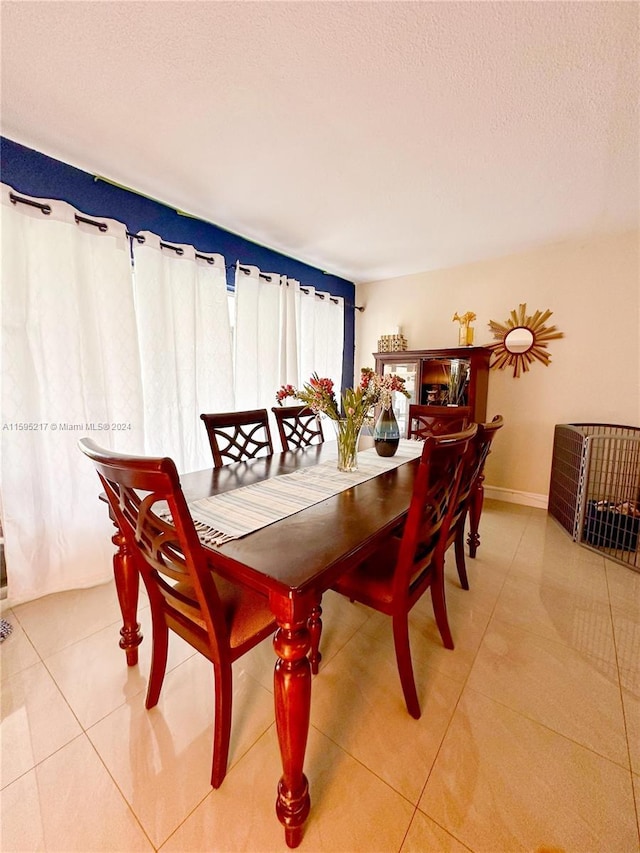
pixel 246 613
pixel 371 582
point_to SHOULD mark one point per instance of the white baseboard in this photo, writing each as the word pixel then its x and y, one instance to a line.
pixel 513 497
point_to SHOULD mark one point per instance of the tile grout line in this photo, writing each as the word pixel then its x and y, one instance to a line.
pixel 624 713
pixel 464 685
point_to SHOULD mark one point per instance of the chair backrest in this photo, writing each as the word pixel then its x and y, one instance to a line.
pixel 473 464
pixel 167 551
pixel 486 434
pixel 436 420
pixel 298 426
pixel 236 436
pixel 432 504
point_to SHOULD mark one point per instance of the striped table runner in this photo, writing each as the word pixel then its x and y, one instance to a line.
pixel 220 518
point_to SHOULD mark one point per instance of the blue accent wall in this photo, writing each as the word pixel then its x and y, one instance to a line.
pixel 36 174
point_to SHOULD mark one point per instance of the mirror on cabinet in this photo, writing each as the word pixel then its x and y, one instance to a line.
pixel 408 370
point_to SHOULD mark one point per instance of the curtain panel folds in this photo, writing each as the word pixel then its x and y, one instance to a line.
pixel 184 336
pixel 70 367
pixel 131 359
pixel 287 330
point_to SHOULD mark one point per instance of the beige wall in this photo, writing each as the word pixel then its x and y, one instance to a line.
pixel 593 289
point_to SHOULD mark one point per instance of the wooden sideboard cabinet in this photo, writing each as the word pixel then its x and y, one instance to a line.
pixel 427 376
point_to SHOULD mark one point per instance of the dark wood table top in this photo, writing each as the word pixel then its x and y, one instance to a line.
pixel 306 551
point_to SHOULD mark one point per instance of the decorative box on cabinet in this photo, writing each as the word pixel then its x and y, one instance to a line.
pixel 427 372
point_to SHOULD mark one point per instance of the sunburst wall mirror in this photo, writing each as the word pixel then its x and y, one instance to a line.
pixel 521 340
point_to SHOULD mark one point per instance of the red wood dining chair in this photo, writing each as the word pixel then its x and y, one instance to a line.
pixel 436 420
pixel 393 578
pixel 236 436
pixel 473 464
pixel 221 620
pixel 298 426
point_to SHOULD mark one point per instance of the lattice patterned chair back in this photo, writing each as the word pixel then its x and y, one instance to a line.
pixel 298 426
pixel 424 421
pixel 236 436
pixel 219 619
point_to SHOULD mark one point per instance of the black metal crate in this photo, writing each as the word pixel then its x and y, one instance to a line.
pixel 609 526
pixel 594 491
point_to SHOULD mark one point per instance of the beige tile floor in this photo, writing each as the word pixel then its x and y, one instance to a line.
pixel 529 738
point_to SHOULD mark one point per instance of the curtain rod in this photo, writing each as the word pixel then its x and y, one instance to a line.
pixel 44 208
pixel 102 226
pixel 247 271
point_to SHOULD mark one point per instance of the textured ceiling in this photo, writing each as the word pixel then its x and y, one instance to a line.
pixel 371 139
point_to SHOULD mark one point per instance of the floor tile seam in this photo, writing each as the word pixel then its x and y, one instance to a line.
pixel 463 688
pixel 562 583
pixel 625 724
pixel 120 791
pixel 636 800
pixel 434 668
pixel 552 640
pixel 187 816
pixel 29 640
pixel 25 669
pixel 364 766
pixel 84 728
pixel 342 646
pixel 373 638
pixel 621 610
pixel 444 828
pixel 196 805
pixel 58 688
pixel 125 700
pixel 271 724
pixel 128 700
pixel 75 642
pixel 557 585
pixel 45 758
pixel 442 740
pixel 408 829
pixel 552 730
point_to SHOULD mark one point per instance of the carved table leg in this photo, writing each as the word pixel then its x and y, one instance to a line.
pixel 475 511
pixel 292 694
pixel 127 585
pixel 315 630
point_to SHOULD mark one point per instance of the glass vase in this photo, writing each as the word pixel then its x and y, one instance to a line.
pixel 347 437
pixel 386 433
pixel 465 336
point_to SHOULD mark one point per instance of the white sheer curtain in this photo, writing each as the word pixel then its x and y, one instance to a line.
pixel 70 369
pixel 284 332
pixel 322 330
pixel 185 347
pixel 266 336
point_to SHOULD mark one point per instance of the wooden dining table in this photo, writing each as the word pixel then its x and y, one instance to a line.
pixel 293 561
